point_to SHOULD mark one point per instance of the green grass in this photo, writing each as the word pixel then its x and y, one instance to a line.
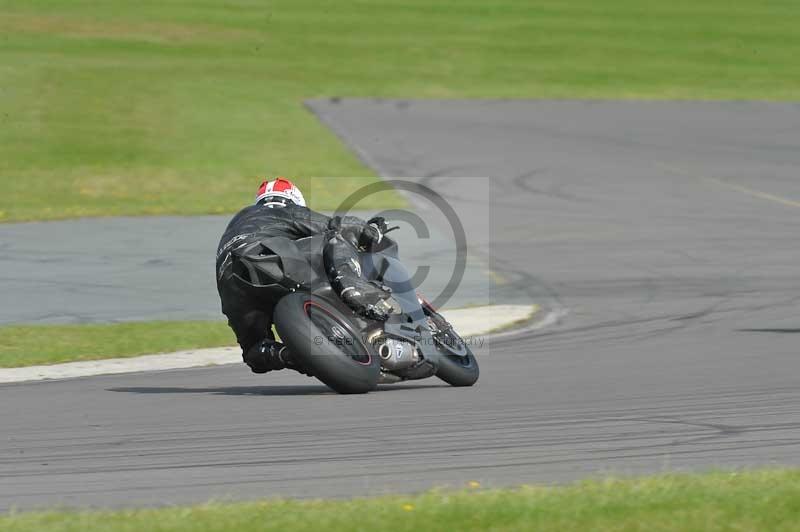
pixel 175 106
pixel 51 344
pixel 749 501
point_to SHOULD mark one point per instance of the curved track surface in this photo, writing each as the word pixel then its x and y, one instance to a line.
pixel 667 233
pixel 150 268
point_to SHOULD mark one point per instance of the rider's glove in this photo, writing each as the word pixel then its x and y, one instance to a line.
pixel 371 236
pixel 360 234
pixel 335 224
pixel 379 222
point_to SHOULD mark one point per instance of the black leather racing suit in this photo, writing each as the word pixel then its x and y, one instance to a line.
pixel 251 319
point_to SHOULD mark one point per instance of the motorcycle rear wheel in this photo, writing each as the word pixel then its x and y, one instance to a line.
pixel 324 340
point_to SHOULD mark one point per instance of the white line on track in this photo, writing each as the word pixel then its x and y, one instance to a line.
pixel 469 322
pixel 733 186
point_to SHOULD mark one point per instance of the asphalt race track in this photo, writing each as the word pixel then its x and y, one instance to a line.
pixel 665 235
pixel 154 268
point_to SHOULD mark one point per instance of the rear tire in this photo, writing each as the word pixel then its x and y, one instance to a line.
pixel 324 340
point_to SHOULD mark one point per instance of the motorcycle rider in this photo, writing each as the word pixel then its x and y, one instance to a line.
pixel 280 211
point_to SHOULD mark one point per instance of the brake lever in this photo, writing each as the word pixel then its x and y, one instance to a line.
pixel 390 229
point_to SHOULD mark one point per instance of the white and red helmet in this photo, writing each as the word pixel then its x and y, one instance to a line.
pixel 277 192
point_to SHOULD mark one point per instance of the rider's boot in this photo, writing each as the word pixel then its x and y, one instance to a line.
pixel 367 298
pixel 269 355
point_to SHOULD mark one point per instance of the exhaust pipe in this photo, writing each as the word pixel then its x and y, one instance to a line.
pixel 396 354
pixel 384 352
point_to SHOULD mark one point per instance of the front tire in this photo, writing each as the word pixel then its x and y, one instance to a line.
pixel 457 364
pixel 459 370
pixel 324 340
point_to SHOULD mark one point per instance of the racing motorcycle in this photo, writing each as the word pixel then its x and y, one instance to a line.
pixel 348 352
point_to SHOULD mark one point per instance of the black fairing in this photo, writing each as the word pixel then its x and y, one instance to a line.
pixel 278 266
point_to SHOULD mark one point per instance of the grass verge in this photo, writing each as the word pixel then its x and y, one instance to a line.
pixel 51 344
pixel 756 500
pixel 155 106
pixel 30 345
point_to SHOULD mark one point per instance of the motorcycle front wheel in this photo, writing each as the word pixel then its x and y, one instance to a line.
pixel 457 365
pixel 458 370
pixel 323 339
